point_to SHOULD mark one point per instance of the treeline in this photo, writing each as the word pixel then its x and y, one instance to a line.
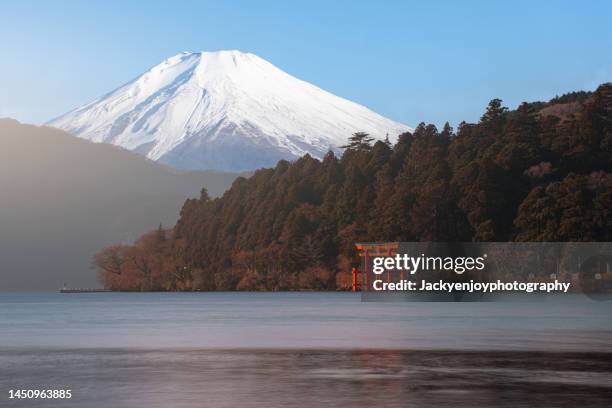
pixel 539 173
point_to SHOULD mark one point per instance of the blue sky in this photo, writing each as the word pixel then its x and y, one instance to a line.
pixel 427 61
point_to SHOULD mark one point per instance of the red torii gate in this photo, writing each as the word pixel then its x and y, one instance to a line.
pixel 366 251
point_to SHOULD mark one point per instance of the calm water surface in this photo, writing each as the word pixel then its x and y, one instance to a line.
pixel 304 349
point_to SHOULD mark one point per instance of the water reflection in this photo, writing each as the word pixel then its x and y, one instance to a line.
pixel 307 378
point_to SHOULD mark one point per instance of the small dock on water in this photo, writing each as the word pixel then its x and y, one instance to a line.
pixel 83 290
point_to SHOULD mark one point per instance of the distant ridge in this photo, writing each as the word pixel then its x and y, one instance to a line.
pixel 64 198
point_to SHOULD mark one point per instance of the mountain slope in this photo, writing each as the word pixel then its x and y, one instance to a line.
pixel 222 110
pixel 64 198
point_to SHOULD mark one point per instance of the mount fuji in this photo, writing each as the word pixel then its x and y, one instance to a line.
pixel 223 110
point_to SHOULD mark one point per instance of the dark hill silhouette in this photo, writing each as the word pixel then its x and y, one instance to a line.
pixel 63 198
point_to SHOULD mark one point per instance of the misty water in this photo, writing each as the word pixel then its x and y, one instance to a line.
pixel 304 349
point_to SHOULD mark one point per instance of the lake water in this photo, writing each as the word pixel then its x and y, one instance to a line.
pixel 304 349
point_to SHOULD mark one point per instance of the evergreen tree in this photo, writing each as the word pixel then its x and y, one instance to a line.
pixel 495 112
pixel 359 141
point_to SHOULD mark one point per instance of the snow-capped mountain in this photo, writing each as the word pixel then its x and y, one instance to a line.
pixel 224 110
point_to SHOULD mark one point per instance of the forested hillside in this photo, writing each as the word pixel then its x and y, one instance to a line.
pixel 539 173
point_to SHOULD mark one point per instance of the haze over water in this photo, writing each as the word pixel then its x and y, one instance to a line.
pixel 306 349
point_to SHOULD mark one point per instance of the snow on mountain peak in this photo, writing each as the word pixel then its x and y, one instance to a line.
pixel 224 110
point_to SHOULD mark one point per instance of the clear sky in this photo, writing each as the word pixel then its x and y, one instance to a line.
pixel 412 61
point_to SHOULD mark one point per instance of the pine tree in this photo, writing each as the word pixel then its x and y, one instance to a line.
pixel 359 141
pixel 387 141
pixel 447 131
pixel 495 111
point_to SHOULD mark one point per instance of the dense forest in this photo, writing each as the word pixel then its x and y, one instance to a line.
pixel 542 172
